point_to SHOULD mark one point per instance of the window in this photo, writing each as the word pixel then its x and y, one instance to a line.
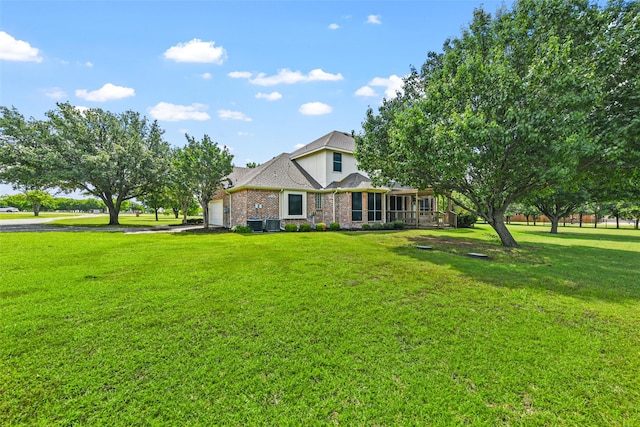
pixel 356 206
pixel 295 204
pixel 318 201
pixel 374 207
pixel 337 162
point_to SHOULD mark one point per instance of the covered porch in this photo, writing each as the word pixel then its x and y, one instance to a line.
pixel 419 209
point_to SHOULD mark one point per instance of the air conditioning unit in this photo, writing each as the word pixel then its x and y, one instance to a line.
pixel 255 224
pixel 272 225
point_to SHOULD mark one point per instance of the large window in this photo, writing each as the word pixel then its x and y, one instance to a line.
pixel 318 201
pixel 337 162
pixel 356 206
pixel 374 207
pixel 295 204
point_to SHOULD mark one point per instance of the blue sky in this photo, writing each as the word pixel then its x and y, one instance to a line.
pixel 261 77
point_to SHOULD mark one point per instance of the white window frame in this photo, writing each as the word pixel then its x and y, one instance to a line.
pixel 318 201
pixel 286 204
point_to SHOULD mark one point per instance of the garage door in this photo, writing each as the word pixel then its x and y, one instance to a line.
pixel 215 213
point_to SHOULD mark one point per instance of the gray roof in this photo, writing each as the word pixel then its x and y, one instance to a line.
pixel 278 173
pixel 335 140
pixel 354 180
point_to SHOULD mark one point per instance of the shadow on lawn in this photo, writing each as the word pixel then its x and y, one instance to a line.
pixel 577 271
pixel 612 236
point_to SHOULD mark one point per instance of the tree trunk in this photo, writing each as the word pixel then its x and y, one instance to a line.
pixel 205 214
pixel 499 226
pixel 176 212
pixel 617 221
pixel 156 214
pixel 554 224
pixel 36 209
pixel 637 223
pixel 580 220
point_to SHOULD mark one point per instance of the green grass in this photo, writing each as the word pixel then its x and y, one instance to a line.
pixel 29 215
pixel 126 220
pixel 324 328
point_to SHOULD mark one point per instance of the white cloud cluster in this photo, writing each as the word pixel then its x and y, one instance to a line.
pixel 175 113
pixel 391 85
pixel 286 76
pixel 206 76
pixel 374 19
pixel 315 109
pixel 196 50
pixel 233 115
pixel 55 93
pixel 108 92
pixel 334 26
pixel 17 50
pixel 273 96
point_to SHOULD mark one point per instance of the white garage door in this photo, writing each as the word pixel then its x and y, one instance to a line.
pixel 215 213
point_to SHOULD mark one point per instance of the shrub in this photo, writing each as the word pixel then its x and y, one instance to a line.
pixel 305 227
pixel 398 224
pixel 290 227
pixel 195 221
pixel 366 226
pixel 389 226
pixel 321 226
pixel 241 229
pixel 466 219
pixel 334 226
pixel 378 226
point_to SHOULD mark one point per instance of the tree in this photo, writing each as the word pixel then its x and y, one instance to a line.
pixel 24 157
pixel 205 165
pixel 559 201
pixel 180 187
pixel 114 157
pixel 499 114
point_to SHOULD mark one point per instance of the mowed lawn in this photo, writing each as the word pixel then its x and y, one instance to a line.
pixel 322 328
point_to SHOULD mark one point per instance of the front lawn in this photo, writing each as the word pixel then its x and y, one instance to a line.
pixel 322 328
pixel 125 220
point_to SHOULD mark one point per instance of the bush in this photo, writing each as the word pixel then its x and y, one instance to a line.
pixel 378 226
pixel 321 226
pixel 466 219
pixel 398 224
pixel 241 229
pixel 366 226
pixel 334 226
pixel 389 226
pixel 195 221
pixel 290 227
pixel 305 227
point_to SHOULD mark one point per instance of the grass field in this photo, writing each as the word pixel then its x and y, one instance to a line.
pixel 29 215
pixel 333 328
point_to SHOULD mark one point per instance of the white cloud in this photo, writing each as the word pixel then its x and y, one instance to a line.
pixel 392 84
pixel 286 76
pixel 273 96
pixel 55 93
pixel 374 19
pixel 176 113
pixel 245 134
pixel 196 51
pixel 297 146
pixel 17 50
pixel 206 76
pixel 88 64
pixel 315 109
pixel 108 92
pixel 334 26
pixel 233 115
pixel 366 91
pixel 240 75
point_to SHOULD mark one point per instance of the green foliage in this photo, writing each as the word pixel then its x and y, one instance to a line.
pixel 466 219
pixel 366 226
pixel 202 166
pixel 378 226
pixel 334 226
pixel 305 226
pixel 290 227
pixel 321 226
pixel 241 229
pixel 480 119
pixel 398 224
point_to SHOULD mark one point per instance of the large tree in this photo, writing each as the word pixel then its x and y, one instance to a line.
pixel 501 112
pixel 202 166
pixel 114 157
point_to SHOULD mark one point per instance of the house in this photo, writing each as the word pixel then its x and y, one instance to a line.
pixel 320 182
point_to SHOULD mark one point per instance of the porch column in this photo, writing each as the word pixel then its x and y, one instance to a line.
pixel 417 210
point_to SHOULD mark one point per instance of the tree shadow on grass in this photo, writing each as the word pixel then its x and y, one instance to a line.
pixel 612 236
pixel 577 271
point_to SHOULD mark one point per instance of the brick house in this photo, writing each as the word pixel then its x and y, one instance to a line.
pixel 320 182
